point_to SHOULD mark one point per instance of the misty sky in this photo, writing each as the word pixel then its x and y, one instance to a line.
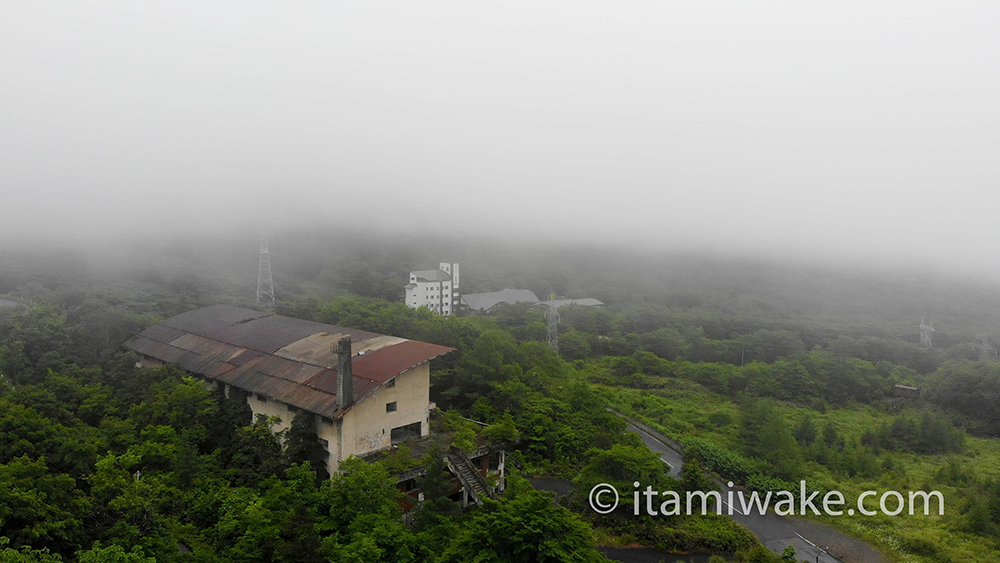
pixel 830 129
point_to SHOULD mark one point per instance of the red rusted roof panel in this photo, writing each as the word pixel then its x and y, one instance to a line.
pixel 326 381
pixel 385 363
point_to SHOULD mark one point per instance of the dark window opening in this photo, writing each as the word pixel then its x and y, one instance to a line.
pixel 404 433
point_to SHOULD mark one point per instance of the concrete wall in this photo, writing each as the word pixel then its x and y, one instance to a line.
pixel 368 426
pixel 271 408
pixel 327 431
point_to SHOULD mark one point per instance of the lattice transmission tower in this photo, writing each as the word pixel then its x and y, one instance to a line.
pixel 265 285
pixel 987 353
pixel 925 333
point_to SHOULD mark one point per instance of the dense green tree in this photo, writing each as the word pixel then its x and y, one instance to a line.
pixel 302 444
pixel 502 431
pixel 766 435
pixel 257 453
pixel 113 554
pixel 666 343
pixel 26 554
pixel 573 345
pixel 528 528
pixel 234 413
pixel 436 485
pixel 39 508
pixel 805 432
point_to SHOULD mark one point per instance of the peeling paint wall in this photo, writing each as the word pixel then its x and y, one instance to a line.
pixel 372 442
pixel 368 426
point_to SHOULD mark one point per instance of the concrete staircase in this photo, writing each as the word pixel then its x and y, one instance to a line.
pixel 474 485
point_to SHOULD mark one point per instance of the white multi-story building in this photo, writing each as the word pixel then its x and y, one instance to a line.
pixel 435 289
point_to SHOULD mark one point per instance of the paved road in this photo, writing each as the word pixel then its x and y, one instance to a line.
pixel 777 532
pixel 667 454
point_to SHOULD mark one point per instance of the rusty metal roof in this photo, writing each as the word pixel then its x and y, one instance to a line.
pixel 386 363
pixel 290 360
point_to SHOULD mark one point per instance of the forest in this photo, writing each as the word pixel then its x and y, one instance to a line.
pixel 766 372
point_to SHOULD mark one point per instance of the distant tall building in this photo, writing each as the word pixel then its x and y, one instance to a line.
pixel 435 289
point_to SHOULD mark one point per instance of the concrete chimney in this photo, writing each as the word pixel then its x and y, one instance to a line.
pixel 345 378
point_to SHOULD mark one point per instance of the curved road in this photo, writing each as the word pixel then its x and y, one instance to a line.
pixel 777 532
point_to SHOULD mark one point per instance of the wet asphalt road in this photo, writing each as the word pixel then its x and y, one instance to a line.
pixel 776 532
pixel 667 454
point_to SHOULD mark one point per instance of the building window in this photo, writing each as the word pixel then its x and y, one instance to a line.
pixel 391 382
pixel 390 407
pixel 325 444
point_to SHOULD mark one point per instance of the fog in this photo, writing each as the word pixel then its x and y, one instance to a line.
pixel 845 131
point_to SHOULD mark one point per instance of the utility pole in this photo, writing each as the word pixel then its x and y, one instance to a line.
pixel 265 286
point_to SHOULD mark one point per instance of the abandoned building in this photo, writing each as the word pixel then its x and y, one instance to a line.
pixel 478 474
pixel 367 391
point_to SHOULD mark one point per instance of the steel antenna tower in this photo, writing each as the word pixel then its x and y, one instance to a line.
pixel 265 286
pixel 925 333
pixel 552 316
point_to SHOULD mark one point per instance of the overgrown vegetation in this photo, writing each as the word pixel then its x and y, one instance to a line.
pixel 766 377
